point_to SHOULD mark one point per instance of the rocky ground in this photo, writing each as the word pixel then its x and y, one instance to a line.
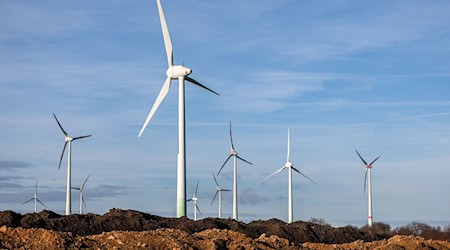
pixel 127 229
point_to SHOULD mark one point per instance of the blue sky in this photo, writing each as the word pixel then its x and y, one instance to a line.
pixel 343 75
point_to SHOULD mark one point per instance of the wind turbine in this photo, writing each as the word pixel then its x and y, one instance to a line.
pixel 219 191
pixel 181 73
pixel 289 166
pixel 369 186
pixel 68 140
pixel 234 153
pixel 81 189
pixel 36 199
pixel 194 199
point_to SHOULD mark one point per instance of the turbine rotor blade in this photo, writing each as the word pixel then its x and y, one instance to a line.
pixel 166 36
pixel 226 190
pixel 215 180
pixel 303 175
pixel 189 200
pixel 187 78
pixel 365 180
pixel 365 163
pixel 289 146
pixel 36 186
pixel 41 203
pixel 196 188
pixel 276 172
pixel 244 160
pixel 374 160
pixel 159 99
pixel 231 139
pixel 214 197
pixel 198 209
pixel 75 188
pixel 28 201
pixel 224 164
pixel 82 186
pixel 59 124
pixel 62 155
pixel 84 203
pixel 81 137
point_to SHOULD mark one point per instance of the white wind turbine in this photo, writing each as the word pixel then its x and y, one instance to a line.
pixel 181 73
pixel 35 198
pixel 68 140
pixel 219 191
pixel 289 166
pixel 234 153
pixel 81 189
pixel 194 199
pixel 369 187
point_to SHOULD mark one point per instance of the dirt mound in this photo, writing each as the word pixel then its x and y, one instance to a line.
pixel 167 238
pixel 129 220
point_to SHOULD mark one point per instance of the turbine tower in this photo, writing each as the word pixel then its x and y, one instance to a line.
pixel 234 153
pixel 369 187
pixel 219 191
pixel 36 199
pixel 194 199
pixel 81 189
pixel 289 166
pixel 68 140
pixel 181 73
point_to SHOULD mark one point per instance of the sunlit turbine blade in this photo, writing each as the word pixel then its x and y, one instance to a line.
pixel 223 165
pixel 276 172
pixel 231 139
pixel 214 197
pixel 187 78
pixel 365 163
pixel 81 137
pixel 159 99
pixel 166 36
pixel 365 180
pixel 215 180
pixel 244 160
pixel 296 170
pixel 82 186
pixel 62 155
pixel 41 203
pixel 28 201
pixel 289 146
pixel 196 188
pixel 59 124
pixel 36 186
pixel 374 160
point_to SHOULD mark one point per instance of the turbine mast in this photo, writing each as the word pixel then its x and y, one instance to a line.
pixel 68 191
pixel 369 184
pixel 235 205
pixel 181 167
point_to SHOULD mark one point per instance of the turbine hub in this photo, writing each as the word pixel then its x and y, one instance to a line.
pixel 68 138
pixel 234 152
pixel 369 166
pixel 178 71
pixel 288 164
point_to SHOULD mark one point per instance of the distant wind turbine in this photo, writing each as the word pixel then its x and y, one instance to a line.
pixel 36 199
pixel 289 166
pixel 68 140
pixel 194 199
pixel 81 189
pixel 234 154
pixel 219 191
pixel 181 73
pixel 369 187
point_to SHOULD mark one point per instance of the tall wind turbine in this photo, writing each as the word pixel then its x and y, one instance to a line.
pixel 234 153
pixel 81 189
pixel 68 140
pixel 289 166
pixel 219 191
pixel 36 199
pixel 194 199
pixel 369 187
pixel 181 73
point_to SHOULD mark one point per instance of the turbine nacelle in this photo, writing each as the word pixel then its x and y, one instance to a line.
pixel 68 138
pixel 175 72
pixel 288 164
pixel 234 152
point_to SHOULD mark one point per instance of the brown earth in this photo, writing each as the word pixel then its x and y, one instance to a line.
pixel 166 238
pixel 129 220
